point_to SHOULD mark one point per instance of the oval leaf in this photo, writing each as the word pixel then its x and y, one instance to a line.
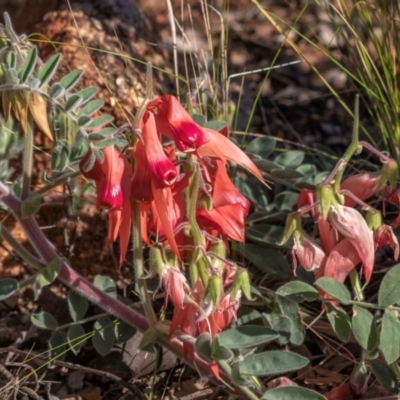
pixel 47 275
pixel 77 305
pixel 385 375
pixel 340 322
pixel 335 289
pixel 44 320
pixel 105 284
pixel 298 291
pixel 262 146
pixel 246 336
pixel 388 291
pixel 123 331
pixel 71 79
pixel 8 287
pixel 272 362
pixel 57 346
pixel 31 205
pixel 364 328
pixel 48 69
pixel 76 338
pixel 292 392
pixel 390 332
pixel 29 64
pixel 103 339
pixel 290 159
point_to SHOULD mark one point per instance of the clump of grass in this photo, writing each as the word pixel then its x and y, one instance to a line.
pixel 369 36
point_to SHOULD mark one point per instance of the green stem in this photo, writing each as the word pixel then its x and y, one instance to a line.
pixel 59 181
pixel 27 161
pixel 395 368
pixel 139 265
pixel 20 250
pixel 355 283
pixel 353 148
pixel 198 266
pixel 228 370
pixel 136 217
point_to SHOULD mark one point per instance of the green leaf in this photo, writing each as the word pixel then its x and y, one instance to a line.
pixel 29 64
pixel 76 338
pixel 286 201
pixel 340 322
pixel 71 79
pixel 268 234
pixel 281 324
pixel 237 377
pixel 215 125
pixel 104 133
pixel 8 287
pixel 91 108
pixel 57 346
pixel 59 158
pixel 106 143
pixel 266 165
pixel 49 68
pixel 123 331
pixel 56 91
pixel 286 174
pixel 73 102
pixel 77 305
pixel 219 352
pixel 388 291
pixel 267 260
pixel 272 363
pixel 291 310
pixel 98 122
pixel 149 338
pixel 386 377
pixel 298 291
pixel 47 275
pixel 44 320
pixel 262 146
pixel 364 328
pixel 87 93
pixel 103 339
pixel 31 205
pixel 335 289
pixel 292 392
pixel 202 347
pixel 290 159
pixel 199 119
pixel 390 332
pixel 106 285
pixel 246 336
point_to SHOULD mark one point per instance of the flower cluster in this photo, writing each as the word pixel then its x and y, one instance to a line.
pixel 346 238
pixel 176 172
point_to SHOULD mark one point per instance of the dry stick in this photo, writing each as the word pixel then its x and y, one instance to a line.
pixel 133 389
pixel 78 283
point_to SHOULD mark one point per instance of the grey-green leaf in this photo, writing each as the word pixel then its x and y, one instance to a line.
pixel 340 322
pixel 56 91
pixel 99 122
pixel 76 338
pixel 8 287
pixel 49 68
pixel 385 375
pixel 123 331
pixel 87 93
pixel 91 107
pixel 388 292
pixel 103 339
pixel 44 320
pixel 335 289
pixel 292 392
pixel 47 275
pixel 29 64
pixel 272 362
pixel 246 336
pixel 106 143
pixel 262 146
pixel 364 328
pixel 73 102
pixel 77 305
pixel 298 291
pixel 290 159
pixel 57 346
pixel 71 79
pixel 390 332
pixel 105 284
pixel 31 205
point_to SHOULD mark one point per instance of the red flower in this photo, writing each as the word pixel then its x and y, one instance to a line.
pixel 309 254
pixel 174 122
pixel 113 182
pixel 363 186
